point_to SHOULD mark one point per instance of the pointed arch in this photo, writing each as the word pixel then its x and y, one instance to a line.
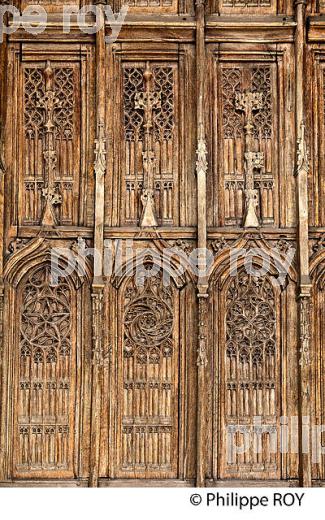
pixel 154 259
pixel 44 341
pixel 39 251
pixel 254 251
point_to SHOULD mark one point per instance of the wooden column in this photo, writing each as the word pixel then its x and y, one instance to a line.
pixel 3 104
pixel 201 172
pixel 304 295
pixel 98 283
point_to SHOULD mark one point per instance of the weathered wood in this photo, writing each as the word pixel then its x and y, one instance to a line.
pixel 302 170
pixel 201 126
pixel 98 285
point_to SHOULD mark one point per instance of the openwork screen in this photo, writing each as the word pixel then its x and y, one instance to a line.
pixel 149 378
pixel 251 402
pixel 46 378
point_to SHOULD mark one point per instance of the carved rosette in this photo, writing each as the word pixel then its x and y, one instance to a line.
pixel 46 371
pixel 148 322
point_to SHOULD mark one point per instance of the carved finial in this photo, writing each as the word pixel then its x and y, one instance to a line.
pixel 248 102
pixel 147 75
pixel 48 75
pixel 48 103
pixel 202 153
pixel 148 101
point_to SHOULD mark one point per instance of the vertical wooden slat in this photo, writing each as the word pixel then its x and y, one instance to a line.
pixel 302 168
pixel 98 285
pixel 201 172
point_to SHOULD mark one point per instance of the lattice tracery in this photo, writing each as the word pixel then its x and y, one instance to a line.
pixel 261 82
pixel 51 154
pixel 251 364
pixel 163 78
pixel 45 375
pixel 150 138
pixel 246 133
pixel 133 117
pixel 232 121
pixel 35 89
pixel 64 90
pixel 246 3
pixel 34 117
pixel 149 378
pixel 145 4
pixel 164 116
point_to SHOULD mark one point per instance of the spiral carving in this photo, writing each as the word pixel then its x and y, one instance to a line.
pixel 148 322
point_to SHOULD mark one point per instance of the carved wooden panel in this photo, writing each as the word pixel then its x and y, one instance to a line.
pixel 317 122
pixel 251 380
pixel 152 5
pixel 148 381
pixel 46 379
pixel 253 111
pixel 145 383
pixel 50 125
pixel 258 7
pixel 54 6
pixel 51 141
pixel 235 79
pixel 148 6
pixel 318 361
pixel 162 118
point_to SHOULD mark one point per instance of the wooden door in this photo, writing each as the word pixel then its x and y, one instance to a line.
pixel 148 381
pixel 46 378
pixel 201 126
